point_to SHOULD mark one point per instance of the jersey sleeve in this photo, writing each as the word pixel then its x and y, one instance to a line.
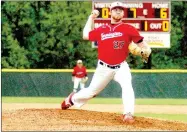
pixel 94 35
pixel 134 34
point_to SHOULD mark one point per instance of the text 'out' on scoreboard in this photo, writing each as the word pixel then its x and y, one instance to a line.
pixel 152 19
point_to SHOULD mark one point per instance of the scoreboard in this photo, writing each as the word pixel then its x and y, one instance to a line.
pixel 152 19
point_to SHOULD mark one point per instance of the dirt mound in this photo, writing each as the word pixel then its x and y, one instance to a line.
pixel 56 119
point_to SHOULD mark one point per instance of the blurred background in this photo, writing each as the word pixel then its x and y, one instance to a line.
pixel 44 34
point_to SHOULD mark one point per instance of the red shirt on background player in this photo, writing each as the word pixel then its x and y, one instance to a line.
pixel 79 70
pixel 79 76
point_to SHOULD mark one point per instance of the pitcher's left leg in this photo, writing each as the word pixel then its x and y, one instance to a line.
pixel 123 77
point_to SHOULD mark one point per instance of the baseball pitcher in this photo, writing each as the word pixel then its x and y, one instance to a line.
pixel 114 43
pixel 79 76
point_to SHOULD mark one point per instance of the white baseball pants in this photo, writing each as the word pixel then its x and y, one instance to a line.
pixel 77 81
pixel 102 76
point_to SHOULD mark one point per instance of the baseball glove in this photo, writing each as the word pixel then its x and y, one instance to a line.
pixel 84 80
pixel 145 53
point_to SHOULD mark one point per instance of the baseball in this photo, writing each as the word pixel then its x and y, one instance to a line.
pixel 95 13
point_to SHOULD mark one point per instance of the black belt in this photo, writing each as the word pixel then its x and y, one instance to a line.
pixel 109 66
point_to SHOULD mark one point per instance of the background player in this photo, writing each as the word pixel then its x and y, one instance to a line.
pixel 114 42
pixel 79 76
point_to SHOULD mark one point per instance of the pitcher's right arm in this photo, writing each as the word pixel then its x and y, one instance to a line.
pixel 89 23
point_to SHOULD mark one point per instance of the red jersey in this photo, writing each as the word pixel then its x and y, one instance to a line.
pixel 113 41
pixel 79 72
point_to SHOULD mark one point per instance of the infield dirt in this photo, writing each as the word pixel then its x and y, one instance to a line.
pixel 52 119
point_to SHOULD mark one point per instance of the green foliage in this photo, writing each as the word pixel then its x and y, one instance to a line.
pixel 14 56
pixel 44 34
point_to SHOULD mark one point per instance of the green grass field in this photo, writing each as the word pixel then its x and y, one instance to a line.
pixel 94 100
pixel 176 117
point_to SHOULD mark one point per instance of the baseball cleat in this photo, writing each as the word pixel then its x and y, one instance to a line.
pixel 128 118
pixel 67 102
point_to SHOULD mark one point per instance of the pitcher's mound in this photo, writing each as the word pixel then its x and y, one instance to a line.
pixel 79 120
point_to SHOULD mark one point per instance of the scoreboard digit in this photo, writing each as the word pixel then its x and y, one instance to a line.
pixel 152 19
pixel 134 12
pixel 105 13
pixel 163 13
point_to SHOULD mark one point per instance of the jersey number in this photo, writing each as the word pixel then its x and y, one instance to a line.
pixel 118 44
